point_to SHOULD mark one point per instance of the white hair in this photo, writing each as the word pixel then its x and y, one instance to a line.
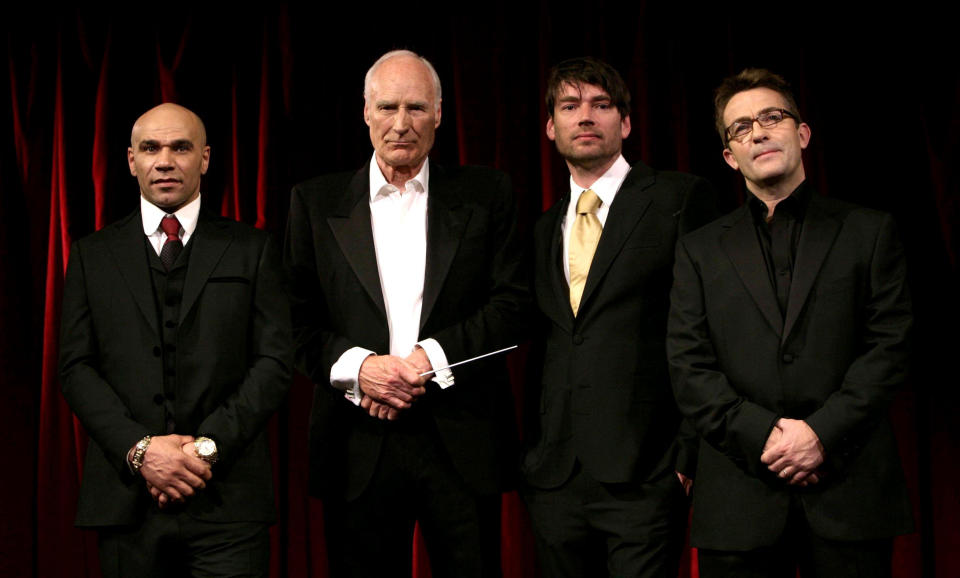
pixel 394 53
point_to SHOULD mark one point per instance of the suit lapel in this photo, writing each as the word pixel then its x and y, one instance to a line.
pixel 447 219
pixel 818 234
pixel 553 282
pixel 209 240
pixel 625 213
pixel 127 246
pixel 741 245
pixel 351 228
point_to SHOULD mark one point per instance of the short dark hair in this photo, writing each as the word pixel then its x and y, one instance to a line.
pixel 587 70
pixel 748 79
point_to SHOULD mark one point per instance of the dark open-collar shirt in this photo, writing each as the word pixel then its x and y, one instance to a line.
pixel 779 238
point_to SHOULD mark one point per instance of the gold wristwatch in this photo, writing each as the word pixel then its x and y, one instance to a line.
pixel 206 449
pixel 136 462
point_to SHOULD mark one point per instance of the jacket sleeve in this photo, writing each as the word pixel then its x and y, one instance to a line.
pixel 244 413
pixel 504 316
pixel 104 415
pixel 873 378
pixel 727 421
pixel 317 345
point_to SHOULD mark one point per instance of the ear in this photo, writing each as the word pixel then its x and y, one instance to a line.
pixel 625 127
pixel 731 159
pixel 205 160
pixel 439 114
pixel 366 112
pixel 803 131
pixel 551 133
pixel 133 167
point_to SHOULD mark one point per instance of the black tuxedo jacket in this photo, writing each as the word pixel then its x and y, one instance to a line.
pixel 234 359
pixel 834 359
pixel 604 396
pixel 474 301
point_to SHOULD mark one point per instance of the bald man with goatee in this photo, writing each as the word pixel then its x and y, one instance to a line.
pixel 175 349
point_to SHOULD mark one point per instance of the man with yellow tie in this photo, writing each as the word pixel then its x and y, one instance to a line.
pixel 607 470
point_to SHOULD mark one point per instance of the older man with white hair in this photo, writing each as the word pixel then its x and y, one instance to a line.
pixel 397 271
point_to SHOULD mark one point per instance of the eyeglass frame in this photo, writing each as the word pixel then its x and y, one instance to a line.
pixel 786 114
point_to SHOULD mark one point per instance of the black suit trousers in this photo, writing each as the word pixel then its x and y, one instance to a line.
pixel 173 543
pixel 634 529
pixel 414 481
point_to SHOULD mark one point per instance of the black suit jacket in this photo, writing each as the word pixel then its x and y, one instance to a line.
pixel 233 364
pixel 604 396
pixel 474 301
pixel 834 359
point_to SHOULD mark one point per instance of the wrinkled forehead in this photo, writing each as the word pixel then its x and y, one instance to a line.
pixel 402 77
pixel 168 124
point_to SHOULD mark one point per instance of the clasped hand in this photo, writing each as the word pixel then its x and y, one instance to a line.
pixel 793 452
pixel 391 384
pixel 172 470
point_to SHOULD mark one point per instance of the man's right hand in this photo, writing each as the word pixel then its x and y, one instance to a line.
pixel 391 381
pixel 172 472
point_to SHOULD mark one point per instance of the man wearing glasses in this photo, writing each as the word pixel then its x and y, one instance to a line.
pixel 787 341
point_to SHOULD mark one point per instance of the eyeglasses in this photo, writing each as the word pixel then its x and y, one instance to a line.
pixel 740 129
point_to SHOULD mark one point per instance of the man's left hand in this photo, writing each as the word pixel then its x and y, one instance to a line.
pixel 159 497
pixel 796 454
pixel 418 358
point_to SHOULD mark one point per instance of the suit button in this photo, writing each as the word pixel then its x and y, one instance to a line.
pixel 156 352
pixel 170 324
pixel 787 358
pixel 158 399
pixel 577 339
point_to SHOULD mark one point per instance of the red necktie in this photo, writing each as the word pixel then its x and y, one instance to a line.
pixel 172 246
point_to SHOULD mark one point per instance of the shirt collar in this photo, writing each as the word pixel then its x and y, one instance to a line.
pixel 152 215
pixel 794 205
pixel 378 181
pixel 607 185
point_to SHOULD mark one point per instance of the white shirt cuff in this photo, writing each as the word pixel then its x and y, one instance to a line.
pixel 444 377
pixel 345 373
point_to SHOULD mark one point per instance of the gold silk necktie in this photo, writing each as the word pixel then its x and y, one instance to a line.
pixel 584 236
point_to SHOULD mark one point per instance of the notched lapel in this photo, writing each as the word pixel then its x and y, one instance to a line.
pixel 819 232
pixel 210 239
pixel 352 230
pixel 447 219
pixel 626 213
pixel 127 246
pixel 741 246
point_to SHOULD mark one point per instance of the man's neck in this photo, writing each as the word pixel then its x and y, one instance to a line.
pixel 587 174
pixel 772 193
pixel 398 176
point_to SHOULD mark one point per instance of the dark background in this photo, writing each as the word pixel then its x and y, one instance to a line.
pixel 280 89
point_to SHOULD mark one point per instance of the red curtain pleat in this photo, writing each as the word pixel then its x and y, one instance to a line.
pixel 62 550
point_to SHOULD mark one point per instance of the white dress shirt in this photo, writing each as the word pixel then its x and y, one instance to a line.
pixel 398 219
pixel 606 188
pixel 151 216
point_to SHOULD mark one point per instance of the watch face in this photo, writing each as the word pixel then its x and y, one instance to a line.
pixel 206 447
